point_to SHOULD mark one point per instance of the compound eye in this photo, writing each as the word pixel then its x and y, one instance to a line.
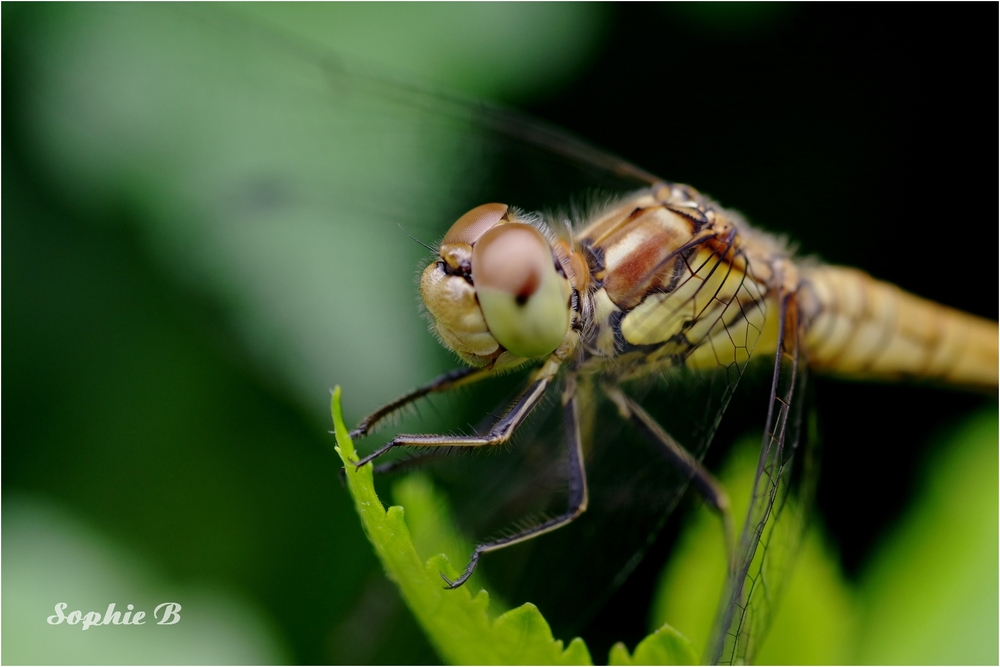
pixel 524 301
pixel 475 223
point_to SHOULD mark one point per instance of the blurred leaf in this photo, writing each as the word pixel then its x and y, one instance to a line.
pixel 493 50
pixel 50 558
pixel 817 620
pixel 457 623
pixel 931 591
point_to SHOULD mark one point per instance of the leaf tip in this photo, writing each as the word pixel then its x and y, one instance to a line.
pixel 344 446
pixel 396 514
pixel 576 653
pixel 619 655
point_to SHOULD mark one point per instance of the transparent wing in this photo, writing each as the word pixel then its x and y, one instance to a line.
pixel 572 573
pixel 783 491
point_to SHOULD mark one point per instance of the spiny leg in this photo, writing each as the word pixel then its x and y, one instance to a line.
pixel 450 380
pixel 577 490
pixel 499 434
pixel 706 484
pixel 409 463
pixel 391 467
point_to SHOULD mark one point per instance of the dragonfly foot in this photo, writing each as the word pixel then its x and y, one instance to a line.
pixel 452 585
pixel 374 455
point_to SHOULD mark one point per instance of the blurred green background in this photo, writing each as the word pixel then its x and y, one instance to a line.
pixel 201 221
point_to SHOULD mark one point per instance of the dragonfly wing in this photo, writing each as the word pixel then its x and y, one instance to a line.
pixel 783 490
pixel 634 488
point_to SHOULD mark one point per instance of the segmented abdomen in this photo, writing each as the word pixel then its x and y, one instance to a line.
pixel 861 327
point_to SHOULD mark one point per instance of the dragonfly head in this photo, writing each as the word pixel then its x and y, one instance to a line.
pixel 497 288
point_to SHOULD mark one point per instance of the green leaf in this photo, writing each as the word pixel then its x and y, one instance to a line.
pixel 666 646
pixel 457 622
pixel 930 592
pixel 431 526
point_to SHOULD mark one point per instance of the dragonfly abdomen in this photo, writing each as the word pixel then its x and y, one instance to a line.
pixel 864 328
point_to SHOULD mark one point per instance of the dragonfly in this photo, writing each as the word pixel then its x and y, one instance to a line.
pixel 644 283
pixel 662 283
pixel 664 278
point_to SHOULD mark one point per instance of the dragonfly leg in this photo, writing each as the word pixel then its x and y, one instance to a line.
pixel 391 467
pixel 577 491
pixel 499 434
pixel 449 380
pixel 412 462
pixel 710 488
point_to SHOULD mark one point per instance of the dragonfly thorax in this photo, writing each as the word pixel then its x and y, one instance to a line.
pixel 497 293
